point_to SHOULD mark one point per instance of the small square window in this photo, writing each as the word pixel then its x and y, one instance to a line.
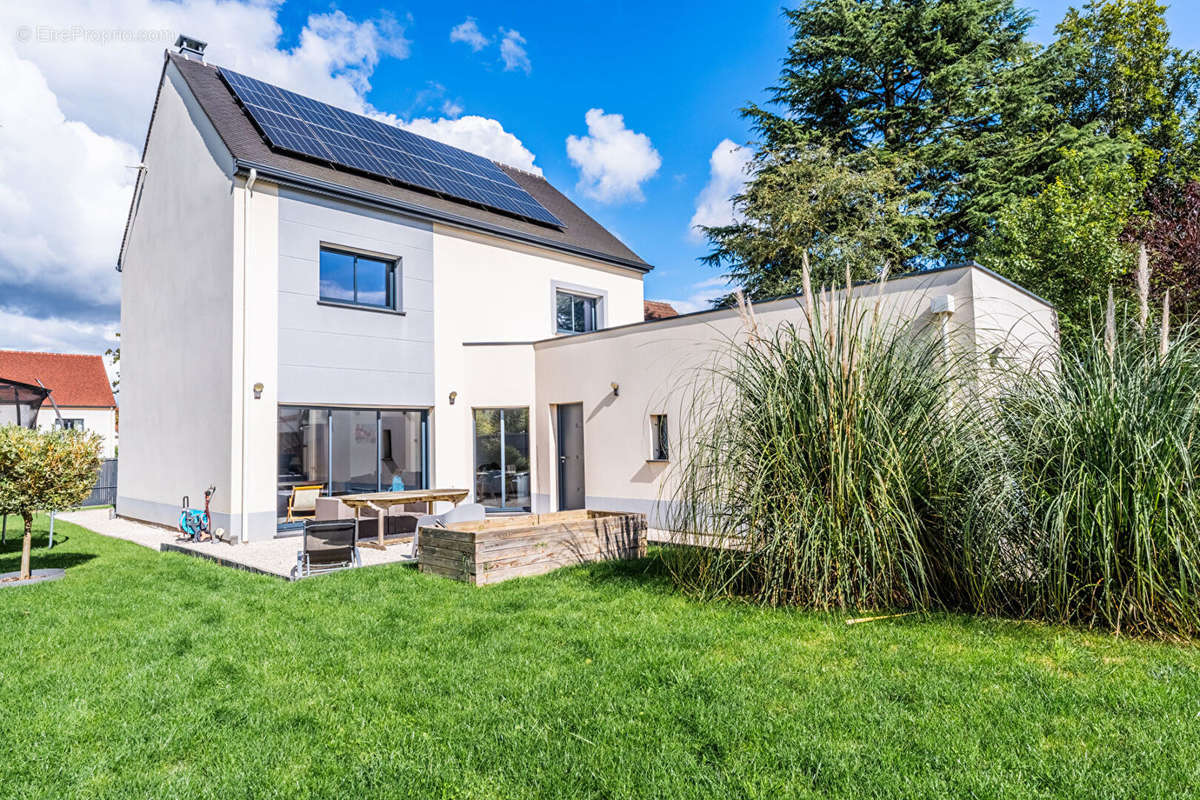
pixel 660 443
pixel 357 280
pixel 575 313
pixel 69 424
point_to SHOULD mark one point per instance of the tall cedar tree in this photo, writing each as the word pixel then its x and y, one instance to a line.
pixel 946 93
pixel 807 204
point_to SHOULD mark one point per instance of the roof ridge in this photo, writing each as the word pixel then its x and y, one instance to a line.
pixel 502 165
pixel 52 353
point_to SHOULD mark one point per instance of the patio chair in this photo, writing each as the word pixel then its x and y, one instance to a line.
pixel 328 545
pixel 467 512
pixel 303 502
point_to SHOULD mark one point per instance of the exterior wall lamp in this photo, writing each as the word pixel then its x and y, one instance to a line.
pixel 453 397
pixel 616 387
pixel 258 390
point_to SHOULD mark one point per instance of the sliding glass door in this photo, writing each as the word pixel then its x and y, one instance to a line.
pixel 502 458
pixel 352 450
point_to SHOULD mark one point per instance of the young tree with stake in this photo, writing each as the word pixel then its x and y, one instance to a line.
pixel 44 471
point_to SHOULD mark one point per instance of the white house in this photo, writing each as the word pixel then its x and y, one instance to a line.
pixel 80 395
pixel 310 299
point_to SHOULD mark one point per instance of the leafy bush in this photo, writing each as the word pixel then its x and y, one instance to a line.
pixel 44 471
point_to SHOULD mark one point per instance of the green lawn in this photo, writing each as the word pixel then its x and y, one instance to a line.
pixel 159 675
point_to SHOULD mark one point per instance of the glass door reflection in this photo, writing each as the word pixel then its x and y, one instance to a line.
pixel 502 458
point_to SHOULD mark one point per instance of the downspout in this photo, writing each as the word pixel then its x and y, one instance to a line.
pixel 245 537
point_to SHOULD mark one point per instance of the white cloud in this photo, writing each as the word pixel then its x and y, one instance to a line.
pixel 78 100
pixel 480 135
pixel 452 108
pixel 512 52
pixel 700 296
pixel 64 194
pixel 727 175
pixel 468 33
pixel 56 334
pixel 110 84
pixel 613 161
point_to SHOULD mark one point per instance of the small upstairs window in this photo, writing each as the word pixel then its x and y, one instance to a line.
pixel 575 313
pixel 660 443
pixel 357 280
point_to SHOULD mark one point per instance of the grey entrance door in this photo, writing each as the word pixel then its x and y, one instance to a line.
pixel 570 456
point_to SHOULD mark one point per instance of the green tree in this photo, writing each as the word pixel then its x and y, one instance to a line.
pixel 948 90
pixel 808 205
pixel 1121 75
pixel 1065 243
pixel 44 471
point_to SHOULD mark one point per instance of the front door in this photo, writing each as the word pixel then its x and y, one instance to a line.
pixel 570 456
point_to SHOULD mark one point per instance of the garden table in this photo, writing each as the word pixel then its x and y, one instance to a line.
pixel 382 501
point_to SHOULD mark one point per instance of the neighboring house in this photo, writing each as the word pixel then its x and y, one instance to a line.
pixel 656 309
pixel 395 312
pixel 79 388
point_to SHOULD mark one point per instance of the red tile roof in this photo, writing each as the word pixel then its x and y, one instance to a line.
pixel 74 380
pixel 656 309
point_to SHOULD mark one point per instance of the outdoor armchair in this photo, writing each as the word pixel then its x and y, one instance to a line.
pixel 328 545
pixel 303 502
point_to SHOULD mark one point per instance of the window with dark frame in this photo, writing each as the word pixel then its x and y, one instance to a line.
pixel 69 424
pixel 660 447
pixel 575 313
pixel 351 450
pixel 357 280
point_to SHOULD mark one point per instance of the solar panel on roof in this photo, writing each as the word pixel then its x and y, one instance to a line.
pixel 317 130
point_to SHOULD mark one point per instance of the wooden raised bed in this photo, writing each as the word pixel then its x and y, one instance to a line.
pixel 497 549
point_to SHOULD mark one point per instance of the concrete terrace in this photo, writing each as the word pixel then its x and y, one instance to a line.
pixel 270 557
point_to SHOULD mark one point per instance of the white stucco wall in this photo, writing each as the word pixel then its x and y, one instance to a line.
pixel 330 355
pixel 655 366
pixel 255 358
pixel 177 319
pixel 1004 316
pixel 488 290
pixel 96 420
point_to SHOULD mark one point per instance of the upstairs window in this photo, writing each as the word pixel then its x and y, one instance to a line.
pixel 575 313
pixel 69 424
pixel 357 280
pixel 660 445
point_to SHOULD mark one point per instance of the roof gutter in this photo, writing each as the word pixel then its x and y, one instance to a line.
pixel 289 178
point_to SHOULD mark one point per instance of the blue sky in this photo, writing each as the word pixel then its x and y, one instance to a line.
pixel 679 78
pixel 629 108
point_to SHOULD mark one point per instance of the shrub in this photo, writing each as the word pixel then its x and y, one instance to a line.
pixel 44 471
pixel 1105 459
pixel 820 468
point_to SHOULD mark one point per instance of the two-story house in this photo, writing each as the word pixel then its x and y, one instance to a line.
pixel 311 297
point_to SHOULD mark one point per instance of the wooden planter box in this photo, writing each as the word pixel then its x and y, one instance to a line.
pixel 531 544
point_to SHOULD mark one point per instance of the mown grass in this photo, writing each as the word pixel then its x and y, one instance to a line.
pixel 158 675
